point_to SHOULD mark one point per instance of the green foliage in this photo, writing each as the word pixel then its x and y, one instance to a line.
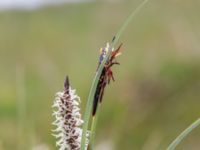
pixel 156 93
pixel 179 138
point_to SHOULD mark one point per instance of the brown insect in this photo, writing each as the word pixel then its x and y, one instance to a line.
pixel 106 75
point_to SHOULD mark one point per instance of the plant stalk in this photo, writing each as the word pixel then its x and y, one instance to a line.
pixel 179 138
pixel 98 73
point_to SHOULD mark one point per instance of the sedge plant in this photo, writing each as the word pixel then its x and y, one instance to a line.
pixel 74 133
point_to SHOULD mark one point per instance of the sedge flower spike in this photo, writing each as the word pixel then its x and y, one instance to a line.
pixel 106 74
pixel 67 119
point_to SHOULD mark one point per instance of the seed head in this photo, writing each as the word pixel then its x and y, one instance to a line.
pixel 67 119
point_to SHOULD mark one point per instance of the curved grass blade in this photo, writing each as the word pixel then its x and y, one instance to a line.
pixel 128 20
pixel 93 127
pixel 98 73
pixel 173 145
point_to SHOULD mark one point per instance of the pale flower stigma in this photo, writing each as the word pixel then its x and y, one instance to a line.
pixel 68 120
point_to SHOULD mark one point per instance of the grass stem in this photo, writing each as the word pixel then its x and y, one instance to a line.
pixel 93 127
pixel 98 73
pixel 179 138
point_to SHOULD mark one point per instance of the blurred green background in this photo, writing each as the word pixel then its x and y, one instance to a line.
pixel 156 93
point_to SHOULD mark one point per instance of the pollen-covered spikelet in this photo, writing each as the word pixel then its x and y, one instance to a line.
pixel 67 119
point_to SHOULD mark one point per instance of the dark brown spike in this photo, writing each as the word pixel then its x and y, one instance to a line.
pixel 66 83
pixel 95 103
pixel 97 95
pixel 113 39
pixel 102 92
pixel 106 76
pixel 97 100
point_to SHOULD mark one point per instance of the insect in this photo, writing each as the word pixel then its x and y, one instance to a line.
pixel 106 74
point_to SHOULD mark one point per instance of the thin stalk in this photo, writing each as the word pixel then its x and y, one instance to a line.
pixel 93 127
pixel 116 38
pixel 98 73
pixel 128 20
pixel 89 104
pixel 179 138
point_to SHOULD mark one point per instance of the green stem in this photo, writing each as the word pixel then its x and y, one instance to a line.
pixel 128 20
pixel 89 105
pixel 98 73
pixel 173 145
pixel 93 127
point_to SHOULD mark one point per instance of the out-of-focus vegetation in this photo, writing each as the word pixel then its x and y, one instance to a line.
pixel 156 93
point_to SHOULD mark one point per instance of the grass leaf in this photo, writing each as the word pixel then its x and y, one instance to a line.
pixel 179 138
pixel 98 73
